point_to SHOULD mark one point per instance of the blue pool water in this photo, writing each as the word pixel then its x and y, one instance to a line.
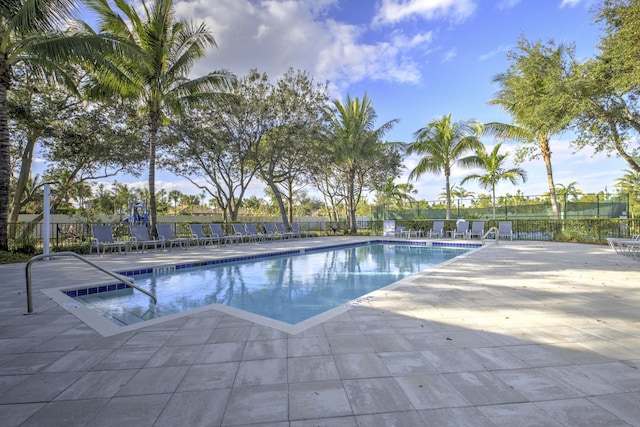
pixel 290 288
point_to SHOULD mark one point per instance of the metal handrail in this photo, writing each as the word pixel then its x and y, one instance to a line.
pixel 493 230
pixel 81 258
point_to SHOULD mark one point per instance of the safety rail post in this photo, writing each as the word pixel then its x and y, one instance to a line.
pixel 81 258
pixel 493 230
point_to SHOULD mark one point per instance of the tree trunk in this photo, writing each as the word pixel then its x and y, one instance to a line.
pixel 546 155
pixel 5 157
pixel 23 178
pixel 290 203
pixel 448 196
pixel 351 209
pixel 283 209
pixel 153 139
pixel 493 200
pixel 617 142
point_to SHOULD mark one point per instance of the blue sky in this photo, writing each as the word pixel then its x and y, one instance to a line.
pixel 416 59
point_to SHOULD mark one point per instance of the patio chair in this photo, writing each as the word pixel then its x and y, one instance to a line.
pixel 165 232
pixel 625 246
pixel 240 233
pixel 437 230
pixel 462 228
pixel 415 233
pixel 270 231
pixel 477 229
pixel 284 234
pixel 198 234
pixel 103 239
pixel 253 232
pixel 218 232
pixel 141 239
pixel 295 229
pixel 504 230
pixel 400 230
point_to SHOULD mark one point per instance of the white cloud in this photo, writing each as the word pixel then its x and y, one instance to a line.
pixel 570 3
pixel 394 11
pixel 497 51
pixel 507 4
pixel 449 56
pixel 273 36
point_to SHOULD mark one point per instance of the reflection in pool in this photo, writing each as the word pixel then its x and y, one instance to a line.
pixel 290 288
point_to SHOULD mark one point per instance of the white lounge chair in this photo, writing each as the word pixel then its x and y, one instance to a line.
pixel 165 232
pixel 253 232
pixel 295 229
pixel 477 229
pixel 505 230
pixel 415 233
pixel 627 247
pixel 218 232
pixel 284 234
pixel 270 231
pixel 141 239
pixel 103 239
pixel 198 234
pixel 437 230
pixel 241 234
pixel 400 230
pixel 462 228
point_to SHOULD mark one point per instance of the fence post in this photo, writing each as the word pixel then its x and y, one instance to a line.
pixel 46 230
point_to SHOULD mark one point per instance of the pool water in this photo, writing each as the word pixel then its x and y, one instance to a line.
pixel 290 288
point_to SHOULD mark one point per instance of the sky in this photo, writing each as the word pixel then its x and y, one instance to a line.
pixel 417 60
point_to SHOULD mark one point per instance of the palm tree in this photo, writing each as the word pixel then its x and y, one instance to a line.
pixel 397 194
pixel 492 163
pixel 461 193
pixel 154 72
pixel 30 37
pixel 570 189
pixel 356 141
pixel 175 196
pixel 629 184
pixel 444 144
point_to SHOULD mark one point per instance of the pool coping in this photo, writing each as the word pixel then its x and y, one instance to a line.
pixel 106 327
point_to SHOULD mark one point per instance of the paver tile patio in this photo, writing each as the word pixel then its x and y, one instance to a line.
pixel 519 333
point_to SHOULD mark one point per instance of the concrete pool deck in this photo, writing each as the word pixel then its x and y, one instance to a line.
pixel 526 333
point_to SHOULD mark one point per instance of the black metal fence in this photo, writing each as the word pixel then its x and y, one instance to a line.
pixel 530 207
pixel 573 230
pixel 76 236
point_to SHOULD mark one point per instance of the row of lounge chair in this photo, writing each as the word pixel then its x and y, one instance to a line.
pixel 201 235
pixel 628 247
pixel 464 229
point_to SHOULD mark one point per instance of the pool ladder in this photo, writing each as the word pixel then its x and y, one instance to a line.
pixel 81 258
pixel 495 232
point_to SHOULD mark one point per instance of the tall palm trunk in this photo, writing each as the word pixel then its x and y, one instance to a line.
pixel 154 119
pixel 493 199
pixel 546 155
pixel 353 229
pixel 5 157
pixel 448 195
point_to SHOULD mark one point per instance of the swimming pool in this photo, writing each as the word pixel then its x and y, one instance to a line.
pixel 288 288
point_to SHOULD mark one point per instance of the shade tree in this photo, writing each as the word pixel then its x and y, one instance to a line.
pixel 294 130
pixel 537 92
pixel 606 88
